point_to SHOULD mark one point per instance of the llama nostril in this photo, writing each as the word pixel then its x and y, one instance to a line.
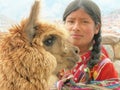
pixel 76 50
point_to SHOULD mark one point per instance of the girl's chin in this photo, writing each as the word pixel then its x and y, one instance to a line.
pixel 75 37
pixel 75 42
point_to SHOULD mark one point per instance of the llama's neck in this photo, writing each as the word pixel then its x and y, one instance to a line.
pixel 18 76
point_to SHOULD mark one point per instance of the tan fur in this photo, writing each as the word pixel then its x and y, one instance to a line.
pixel 26 63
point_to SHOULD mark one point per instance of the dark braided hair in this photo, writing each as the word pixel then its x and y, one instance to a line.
pixel 94 12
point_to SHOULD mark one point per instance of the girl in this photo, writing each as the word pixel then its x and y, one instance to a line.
pixel 82 19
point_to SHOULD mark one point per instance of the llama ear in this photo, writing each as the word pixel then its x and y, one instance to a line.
pixel 31 21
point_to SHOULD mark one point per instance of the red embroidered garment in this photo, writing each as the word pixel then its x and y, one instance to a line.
pixel 102 71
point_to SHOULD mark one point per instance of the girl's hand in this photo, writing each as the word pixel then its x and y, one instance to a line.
pixel 64 74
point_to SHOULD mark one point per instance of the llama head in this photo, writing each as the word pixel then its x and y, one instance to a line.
pixel 51 38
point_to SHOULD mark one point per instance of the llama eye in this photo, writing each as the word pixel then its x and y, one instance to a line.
pixel 50 41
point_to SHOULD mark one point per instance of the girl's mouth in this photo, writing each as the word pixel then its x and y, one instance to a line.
pixel 76 36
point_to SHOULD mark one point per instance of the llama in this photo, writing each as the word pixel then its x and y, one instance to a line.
pixel 32 52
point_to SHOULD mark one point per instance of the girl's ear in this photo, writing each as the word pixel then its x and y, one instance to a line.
pixel 97 28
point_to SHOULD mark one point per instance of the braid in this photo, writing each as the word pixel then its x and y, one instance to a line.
pixel 95 54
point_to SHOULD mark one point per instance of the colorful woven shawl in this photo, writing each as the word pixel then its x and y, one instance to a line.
pixel 111 84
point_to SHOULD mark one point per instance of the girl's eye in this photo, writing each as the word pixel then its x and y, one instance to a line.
pixel 49 41
pixel 85 21
pixel 70 22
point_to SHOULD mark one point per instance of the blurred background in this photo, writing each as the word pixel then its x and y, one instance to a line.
pixel 13 11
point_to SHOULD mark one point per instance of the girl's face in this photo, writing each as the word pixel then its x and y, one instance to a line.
pixel 81 27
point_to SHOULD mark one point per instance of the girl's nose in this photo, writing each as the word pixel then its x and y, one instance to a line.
pixel 76 26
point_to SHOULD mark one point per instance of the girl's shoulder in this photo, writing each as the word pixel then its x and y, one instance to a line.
pixel 104 51
pixel 103 69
